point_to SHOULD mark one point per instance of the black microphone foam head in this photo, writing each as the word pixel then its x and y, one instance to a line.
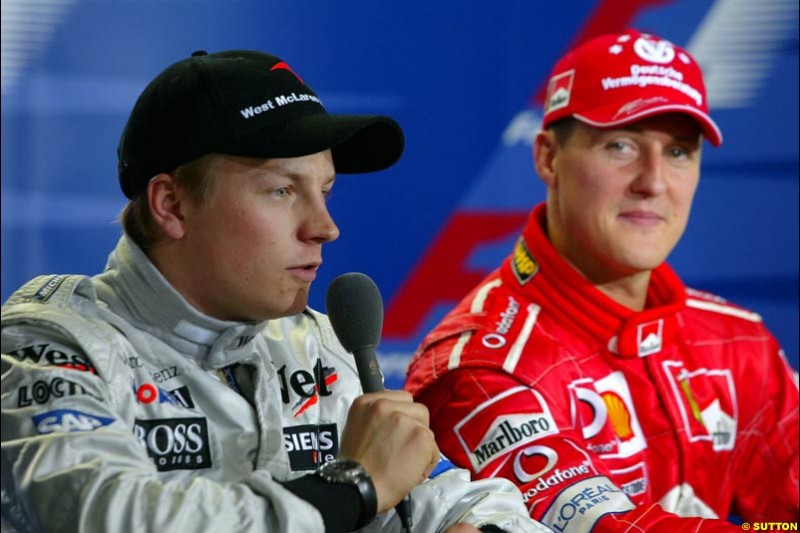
pixel 355 309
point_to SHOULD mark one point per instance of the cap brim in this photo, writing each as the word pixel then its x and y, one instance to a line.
pixel 359 143
pixel 602 118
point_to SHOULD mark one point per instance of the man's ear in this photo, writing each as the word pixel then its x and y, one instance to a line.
pixel 165 196
pixel 544 153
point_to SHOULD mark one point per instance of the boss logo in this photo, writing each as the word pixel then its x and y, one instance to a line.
pixel 175 443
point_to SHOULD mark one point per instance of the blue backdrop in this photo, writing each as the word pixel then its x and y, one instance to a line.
pixel 465 80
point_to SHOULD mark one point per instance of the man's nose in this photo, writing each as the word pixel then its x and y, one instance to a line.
pixel 650 180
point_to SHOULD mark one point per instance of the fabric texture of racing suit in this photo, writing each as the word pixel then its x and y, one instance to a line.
pixel 124 409
pixel 609 419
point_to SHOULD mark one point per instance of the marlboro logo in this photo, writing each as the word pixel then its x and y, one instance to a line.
pixel 650 337
pixel 486 434
pixel 559 90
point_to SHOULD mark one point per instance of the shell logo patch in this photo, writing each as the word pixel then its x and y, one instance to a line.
pixel 523 264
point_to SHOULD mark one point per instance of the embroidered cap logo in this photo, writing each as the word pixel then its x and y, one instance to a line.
pixel 283 66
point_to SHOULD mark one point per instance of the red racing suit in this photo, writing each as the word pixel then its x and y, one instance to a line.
pixel 609 419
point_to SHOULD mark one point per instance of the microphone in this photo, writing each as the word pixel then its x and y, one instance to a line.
pixel 355 309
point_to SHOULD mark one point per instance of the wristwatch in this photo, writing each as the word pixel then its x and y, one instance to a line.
pixel 349 472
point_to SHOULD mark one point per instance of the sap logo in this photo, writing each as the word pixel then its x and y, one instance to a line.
pixel 68 420
pixel 41 391
pixel 306 385
pixel 175 443
pixel 309 446
pixel 54 355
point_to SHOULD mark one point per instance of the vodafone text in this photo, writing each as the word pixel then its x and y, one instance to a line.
pixel 556 478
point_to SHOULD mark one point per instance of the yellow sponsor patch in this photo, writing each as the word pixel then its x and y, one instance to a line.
pixel 523 263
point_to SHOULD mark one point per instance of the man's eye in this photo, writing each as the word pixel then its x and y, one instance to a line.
pixel 678 152
pixel 618 146
pixel 281 192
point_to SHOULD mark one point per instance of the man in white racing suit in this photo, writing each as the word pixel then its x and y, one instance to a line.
pixel 189 387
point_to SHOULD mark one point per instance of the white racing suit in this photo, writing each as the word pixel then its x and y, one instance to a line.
pixel 125 409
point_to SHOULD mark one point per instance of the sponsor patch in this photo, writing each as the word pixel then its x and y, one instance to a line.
pixel 632 480
pixel 707 402
pixel 148 393
pixel 523 264
pixel 502 424
pixel 166 374
pixel 604 411
pixel 310 446
pixel 559 90
pixel 305 385
pixel 497 338
pixel 55 355
pixel 649 337
pixel 49 288
pixel 68 421
pixel 660 51
pixel 44 390
pixel 579 506
pixel 175 443
pixel 537 470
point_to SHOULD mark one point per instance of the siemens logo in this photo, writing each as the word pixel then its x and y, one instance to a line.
pixel 310 445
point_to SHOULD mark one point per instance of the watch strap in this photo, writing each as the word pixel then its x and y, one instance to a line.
pixel 349 472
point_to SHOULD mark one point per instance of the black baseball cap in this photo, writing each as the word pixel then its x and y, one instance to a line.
pixel 245 103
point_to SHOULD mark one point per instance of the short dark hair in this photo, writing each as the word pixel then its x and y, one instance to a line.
pixel 137 220
pixel 563 130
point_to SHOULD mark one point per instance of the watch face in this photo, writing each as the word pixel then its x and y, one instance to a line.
pixel 342 470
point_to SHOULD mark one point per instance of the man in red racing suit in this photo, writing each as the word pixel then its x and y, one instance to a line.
pixel 665 413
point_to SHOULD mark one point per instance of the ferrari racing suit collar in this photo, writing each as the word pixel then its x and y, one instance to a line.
pixel 536 270
pixel 133 288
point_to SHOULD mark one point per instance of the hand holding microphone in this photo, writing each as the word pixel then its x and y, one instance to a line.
pixel 386 431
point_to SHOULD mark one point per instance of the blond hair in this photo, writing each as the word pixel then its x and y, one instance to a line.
pixel 137 220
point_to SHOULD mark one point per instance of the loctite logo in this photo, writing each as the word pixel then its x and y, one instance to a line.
pixel 309 387
pixel 175 443
pixel 43 391
pixel 310 445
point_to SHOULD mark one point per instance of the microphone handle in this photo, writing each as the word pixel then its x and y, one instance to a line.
pixel 369 373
